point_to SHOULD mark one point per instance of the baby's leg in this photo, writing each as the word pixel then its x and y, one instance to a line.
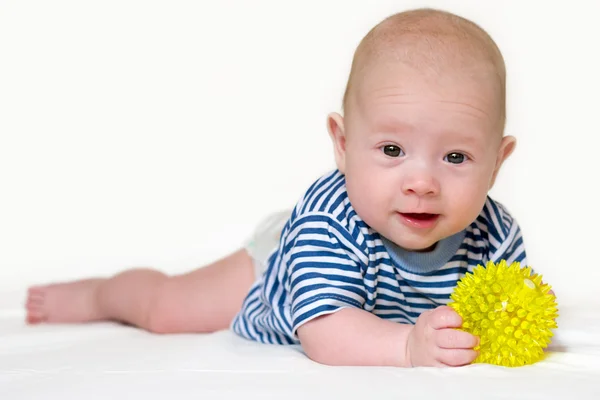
pixel 203 300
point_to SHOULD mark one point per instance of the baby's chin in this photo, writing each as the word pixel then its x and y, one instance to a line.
pixel 409 239
pixel 411 242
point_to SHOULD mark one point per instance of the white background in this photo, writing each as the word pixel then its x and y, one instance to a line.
pixel 159 133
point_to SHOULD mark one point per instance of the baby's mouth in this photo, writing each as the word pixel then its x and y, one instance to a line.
pixel 420 216
pixel 419 220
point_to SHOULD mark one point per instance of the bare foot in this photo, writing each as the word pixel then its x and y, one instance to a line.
pixel 63 302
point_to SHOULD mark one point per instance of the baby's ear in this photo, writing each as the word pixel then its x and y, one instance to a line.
pixel 507 146
pixel 335 126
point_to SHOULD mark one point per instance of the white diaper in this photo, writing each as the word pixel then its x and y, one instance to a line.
pixel 265 239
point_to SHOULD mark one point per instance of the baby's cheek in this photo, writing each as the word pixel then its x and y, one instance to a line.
pixel 467 206
pixel 367 199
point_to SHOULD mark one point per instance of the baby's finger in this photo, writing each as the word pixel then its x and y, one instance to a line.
pixel 457 357
pixel 444 317
pixel 455 339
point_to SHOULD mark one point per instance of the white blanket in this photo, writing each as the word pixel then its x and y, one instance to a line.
pixel 112 361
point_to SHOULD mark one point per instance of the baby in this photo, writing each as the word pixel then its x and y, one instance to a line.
pixel 361 270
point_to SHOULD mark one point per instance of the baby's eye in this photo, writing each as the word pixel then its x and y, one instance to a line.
pixel 455 158
pixel 392 150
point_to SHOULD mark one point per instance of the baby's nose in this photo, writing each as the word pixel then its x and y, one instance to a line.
pixel 421 183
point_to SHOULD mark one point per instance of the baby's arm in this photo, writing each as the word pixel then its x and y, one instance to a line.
pixel 353 336
pixel 326 268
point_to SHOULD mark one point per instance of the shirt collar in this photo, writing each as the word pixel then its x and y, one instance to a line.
pixel 428 261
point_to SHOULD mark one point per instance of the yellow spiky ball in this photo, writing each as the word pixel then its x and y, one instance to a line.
pixel 510 310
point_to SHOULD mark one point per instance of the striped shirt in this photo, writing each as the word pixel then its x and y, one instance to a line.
pixel 328 259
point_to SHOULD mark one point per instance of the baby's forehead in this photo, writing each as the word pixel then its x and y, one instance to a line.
pixel 439 127
pixel 397 100
pixel 397 82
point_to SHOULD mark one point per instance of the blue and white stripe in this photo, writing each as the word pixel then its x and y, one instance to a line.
pixel 328 259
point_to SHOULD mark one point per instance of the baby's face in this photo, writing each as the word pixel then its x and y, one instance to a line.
pixel 421 154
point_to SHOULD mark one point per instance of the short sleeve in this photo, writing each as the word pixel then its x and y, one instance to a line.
pixel 324 268
pixel 505 236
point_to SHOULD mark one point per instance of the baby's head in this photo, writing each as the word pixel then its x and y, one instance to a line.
pixel 421 140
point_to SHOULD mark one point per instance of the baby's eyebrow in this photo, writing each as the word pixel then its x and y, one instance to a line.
pixel 464 138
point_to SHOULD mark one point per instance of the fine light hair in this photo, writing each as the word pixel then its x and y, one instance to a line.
pixel 435 42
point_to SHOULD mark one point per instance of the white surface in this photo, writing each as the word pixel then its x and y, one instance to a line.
pixel 158 133
pixel 110 361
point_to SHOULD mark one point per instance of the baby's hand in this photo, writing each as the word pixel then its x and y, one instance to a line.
pixel 434 342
